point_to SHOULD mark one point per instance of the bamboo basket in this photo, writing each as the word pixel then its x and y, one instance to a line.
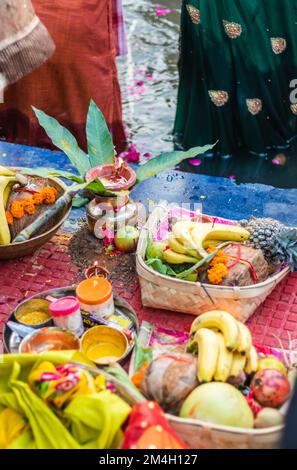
pixel 198 434
pixel 201 435
pixel 162 292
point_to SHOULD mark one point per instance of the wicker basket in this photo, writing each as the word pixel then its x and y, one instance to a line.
pixel 201 435
pixel 159 291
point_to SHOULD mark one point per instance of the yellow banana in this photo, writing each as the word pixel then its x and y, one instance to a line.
pixel 224 321
pixel 6 171
pixel 172 257
pixel 178 247
pixel 238 364
pixel 222 232
pixel 224 361
pixel 245 339
pixel 6 195
pixel 5 237
pixel 208 353
pixel 182 231
pixel 251 361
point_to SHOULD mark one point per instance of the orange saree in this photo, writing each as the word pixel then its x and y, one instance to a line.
pixel 82 67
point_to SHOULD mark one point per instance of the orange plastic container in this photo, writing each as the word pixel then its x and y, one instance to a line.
pixel 96 297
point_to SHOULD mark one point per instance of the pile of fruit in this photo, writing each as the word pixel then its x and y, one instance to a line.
pixel 223 253
pixel 228 384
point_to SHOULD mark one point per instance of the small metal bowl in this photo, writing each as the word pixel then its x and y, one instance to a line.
pixel 39 305
pixel 104 345
pixel 48 339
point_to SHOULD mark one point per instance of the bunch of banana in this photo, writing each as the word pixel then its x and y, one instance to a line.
pixel 196 237
pixel 224 347
pixel 7 180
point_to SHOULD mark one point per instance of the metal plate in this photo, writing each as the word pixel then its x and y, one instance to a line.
pixel 12 340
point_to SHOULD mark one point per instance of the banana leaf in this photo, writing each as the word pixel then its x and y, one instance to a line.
pixel 64 140
pixel 166 161
pixel 100 146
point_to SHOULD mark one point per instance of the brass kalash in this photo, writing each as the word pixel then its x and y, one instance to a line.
pixel 117 210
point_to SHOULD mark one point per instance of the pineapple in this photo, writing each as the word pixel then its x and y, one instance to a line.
pixel 264 235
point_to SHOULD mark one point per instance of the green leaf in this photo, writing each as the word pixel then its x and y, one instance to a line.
pixel 160 267
pixel 45 172
pixel 79 201
pixel 166 161
pixel 64 140
pixel 100 145
pixel 143 355
pixel 98 187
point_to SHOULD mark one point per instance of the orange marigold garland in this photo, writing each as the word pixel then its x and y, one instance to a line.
pixel 29 206
pixel 218 264
pixel 17 210
pixel 37 199
pixel 47 195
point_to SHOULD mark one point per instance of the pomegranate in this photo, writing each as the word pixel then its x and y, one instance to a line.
pixel 271 388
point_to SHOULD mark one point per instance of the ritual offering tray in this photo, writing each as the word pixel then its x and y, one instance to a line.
pixel 116 333
pixel 32 209
pixel 197 262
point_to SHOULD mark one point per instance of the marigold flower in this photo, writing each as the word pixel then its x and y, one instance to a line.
pixel 49 194
pixel 29 208
pixel 37 199
pixel 220 257
pixel 9 217
pixel 217 273
pixel 17 209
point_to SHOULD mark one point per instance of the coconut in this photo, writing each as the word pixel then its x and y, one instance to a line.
pixel 218 403
pixel 169 379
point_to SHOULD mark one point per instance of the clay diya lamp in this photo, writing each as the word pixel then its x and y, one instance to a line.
pixel 118 178
pixel 97 271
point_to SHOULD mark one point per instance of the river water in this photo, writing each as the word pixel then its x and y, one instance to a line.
pixel 149 80
pixel 148 73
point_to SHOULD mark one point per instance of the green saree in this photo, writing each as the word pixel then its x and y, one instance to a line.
pixel 238 58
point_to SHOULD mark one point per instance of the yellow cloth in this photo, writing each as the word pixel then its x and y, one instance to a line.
pixel 88 421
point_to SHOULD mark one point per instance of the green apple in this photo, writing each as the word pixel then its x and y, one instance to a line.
pixel 126 239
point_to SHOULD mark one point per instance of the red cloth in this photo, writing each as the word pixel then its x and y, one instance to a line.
pixel 83 67
pixel 148 429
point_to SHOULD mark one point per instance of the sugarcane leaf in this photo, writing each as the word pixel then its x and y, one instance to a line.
pixel 64 140
pixel 166 161
pixel 100 146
